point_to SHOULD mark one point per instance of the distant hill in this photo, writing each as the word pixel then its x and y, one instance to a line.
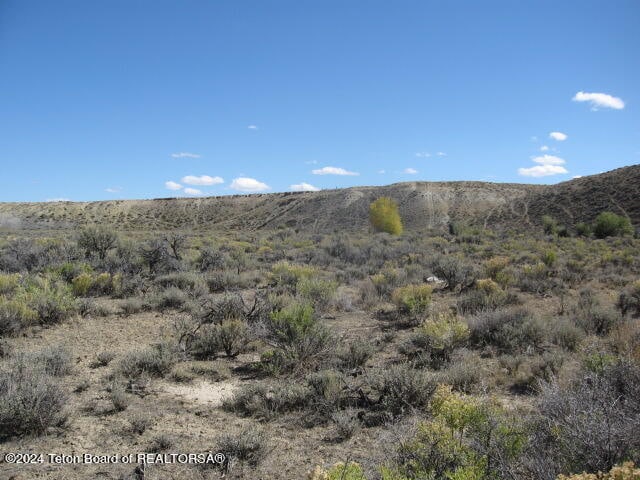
pixel 422 205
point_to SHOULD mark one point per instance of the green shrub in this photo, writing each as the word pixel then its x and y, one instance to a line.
pixel 9 283
pixel 495 268
pixel 527 371
pixel 464 372
pixel 387 280
pixel 355 354
pixel 584 229
pixel 609 224
pixel 230 336
pixel 435 340
pixel 264 403
pixel 14 316
pixel 401 389
pixel 301 342
pixel 317 291
pixel 118 396
pixel 487 296
pixel 567 334
pixel 54 361
pixel 384 216
pixel 217 310
pixel 465 440
pixel 247 446
pixel 171 297
pixel 508 331
pixel 412 299
pixel 82 284
pixel 549 258
pixel 210 259
pixel 593 317
pixel 549 225
pixel 154 361
pixel 95 240
pixel 287 274
pixel 191 283
pixel 52 301
pixel 30 401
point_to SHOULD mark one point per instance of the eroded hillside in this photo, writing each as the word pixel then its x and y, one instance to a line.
pixel 422 205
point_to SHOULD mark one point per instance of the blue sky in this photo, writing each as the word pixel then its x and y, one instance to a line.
pixel 143 99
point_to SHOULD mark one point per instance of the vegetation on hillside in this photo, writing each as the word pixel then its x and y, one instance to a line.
pixel 459 354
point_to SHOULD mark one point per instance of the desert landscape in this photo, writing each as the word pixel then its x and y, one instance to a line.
pixel 471 330
pixel 319 240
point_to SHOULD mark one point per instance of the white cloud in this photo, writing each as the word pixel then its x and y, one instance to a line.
pixel 599 100
pixel 577 176
pixel 559 136
pixel 252 127
pixel 410 171
pixel 202 180
pixel 332 171
pixel 57 200
pixel 113 189
pixel 441 154
pixel 171 185
pixel 423 154
pixel 303 187
pixel 381 172
pixel 534 138
pixel 185 155
pixel 549 160
pixel 245 184
pixel 542 171
pixel 544 148
pixel 192 191
pixel 311 162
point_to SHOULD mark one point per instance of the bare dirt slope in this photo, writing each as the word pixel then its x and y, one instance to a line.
pixel 422 205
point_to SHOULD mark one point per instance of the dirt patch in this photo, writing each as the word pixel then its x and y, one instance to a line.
pixel 202 392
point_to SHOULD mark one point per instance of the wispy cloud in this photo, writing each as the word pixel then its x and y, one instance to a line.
pixel 410 171
pixel 599 100
pixel 246 184
pixel 544 148
pixel 171 185
pixel 311 162
pixel 548 160
pixel 202 180
pixel 192 191
pixel 441 154
pixel 303 187
pixel 382 172
pixel 423 154
pixel 113 189
pixel 57 200
pixel 332 171
pixel 542 171
pixel 559 136
pixel 185 155
pixel 252 127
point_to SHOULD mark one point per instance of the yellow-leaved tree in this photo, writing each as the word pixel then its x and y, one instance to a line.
pixel 384 216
